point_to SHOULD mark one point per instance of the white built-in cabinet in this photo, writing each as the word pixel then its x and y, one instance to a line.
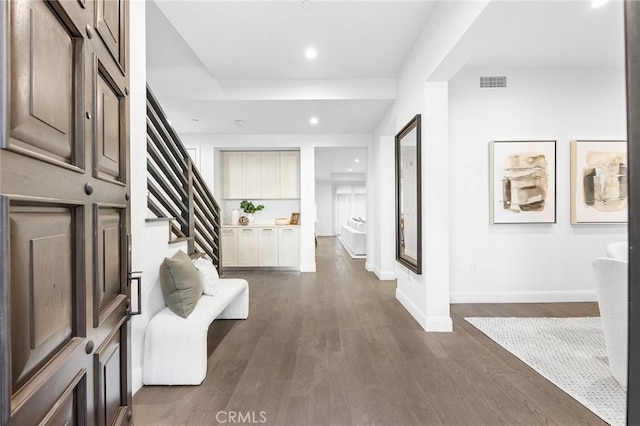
pixel 290 174
pixel 251 175
pixel 247 247
pixel 261 246
pixel 288 247
pixel 267 247
pixel 270 175
pixel 232 182
pixel 260 175
pixel 229 247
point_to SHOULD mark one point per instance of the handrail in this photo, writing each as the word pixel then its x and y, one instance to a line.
pixel 177 189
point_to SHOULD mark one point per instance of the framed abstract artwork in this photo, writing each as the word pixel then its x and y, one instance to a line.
pixel 598 182
pixel 523 181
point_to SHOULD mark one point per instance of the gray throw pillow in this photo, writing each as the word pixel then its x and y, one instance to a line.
pixel 180 283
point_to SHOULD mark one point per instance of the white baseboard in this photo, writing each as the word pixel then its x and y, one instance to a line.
pixel 136 379
pixel 352 254
pixel 415 312
pixel 311 267
pixel 430 324
pixel 384 275
pixel 439 324
pixel 367 266
pixel 523 296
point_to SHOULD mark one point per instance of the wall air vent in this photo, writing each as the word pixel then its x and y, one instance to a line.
pixel 493 81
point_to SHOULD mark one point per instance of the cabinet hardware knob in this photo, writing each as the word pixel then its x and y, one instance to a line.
pixel 88 189
pixel 89 348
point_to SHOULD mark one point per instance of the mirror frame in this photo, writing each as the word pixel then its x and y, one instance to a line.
pixel 408 262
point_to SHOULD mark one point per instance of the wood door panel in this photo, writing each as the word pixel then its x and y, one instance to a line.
pixel 110 123
pixel 107 260
pixel 64 171
pixel 41 247
pixel 110 401
pixel 59 389
pixel 110 24
pixel 63 413
pixel 66 411
pixel 44 114
pixel 51 287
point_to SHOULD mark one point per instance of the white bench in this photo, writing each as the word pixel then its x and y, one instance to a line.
pixel 175 348
pixel 354 240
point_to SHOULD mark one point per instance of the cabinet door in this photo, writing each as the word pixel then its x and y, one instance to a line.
pixel 270 175
pixel 251 175
pixel 267 247
pixel 288 247
pixel 229 247
pixel 290 174
pixel 232 175
pixel 247 247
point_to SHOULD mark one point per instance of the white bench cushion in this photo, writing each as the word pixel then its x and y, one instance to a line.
pixel 175 348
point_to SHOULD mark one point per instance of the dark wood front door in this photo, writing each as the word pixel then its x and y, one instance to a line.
pixel 64 219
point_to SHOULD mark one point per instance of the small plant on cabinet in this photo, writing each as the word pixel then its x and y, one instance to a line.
pixel 248 207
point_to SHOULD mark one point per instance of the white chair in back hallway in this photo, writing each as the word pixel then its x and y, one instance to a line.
pixel 618 250
pixel 612 290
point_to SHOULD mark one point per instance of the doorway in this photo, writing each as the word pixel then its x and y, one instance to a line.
pixel 341 196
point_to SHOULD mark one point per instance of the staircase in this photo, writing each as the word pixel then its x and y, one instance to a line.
pixel 176 190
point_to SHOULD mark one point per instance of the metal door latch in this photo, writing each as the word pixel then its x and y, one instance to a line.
pixel 131 278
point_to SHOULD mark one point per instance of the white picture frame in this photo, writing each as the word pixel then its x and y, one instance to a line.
pixel 599 182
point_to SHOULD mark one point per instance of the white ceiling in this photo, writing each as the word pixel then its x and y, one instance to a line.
pixel 220 61
pixel 339 164
pixel 560 34
pixel 238 40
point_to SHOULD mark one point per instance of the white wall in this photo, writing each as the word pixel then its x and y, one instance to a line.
pixel 527 263
pixel 425 296
pixel 461 251
pixel 138 152
pixel 325 209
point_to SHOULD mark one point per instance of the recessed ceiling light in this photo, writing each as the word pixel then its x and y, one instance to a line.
pixel 311 53
pixel 195 120
pixel 598 3
pixel 357 160
pixel 350 170
pixel 313 121
pixel 307 5
pixel 239 122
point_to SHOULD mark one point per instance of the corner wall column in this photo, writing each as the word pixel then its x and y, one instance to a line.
pixel 436 192
pixel 307 209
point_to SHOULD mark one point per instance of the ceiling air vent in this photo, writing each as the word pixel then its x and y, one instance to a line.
pixel 493 81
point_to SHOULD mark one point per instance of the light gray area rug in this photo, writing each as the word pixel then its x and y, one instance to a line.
pixel 569 352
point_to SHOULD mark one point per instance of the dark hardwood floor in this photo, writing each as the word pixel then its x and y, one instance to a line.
pixel 337 348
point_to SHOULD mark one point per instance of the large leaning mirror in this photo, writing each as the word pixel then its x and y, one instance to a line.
pixel 408 200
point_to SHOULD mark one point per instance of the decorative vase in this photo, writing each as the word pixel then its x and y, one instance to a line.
pixel 235 215
pixel 251 218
